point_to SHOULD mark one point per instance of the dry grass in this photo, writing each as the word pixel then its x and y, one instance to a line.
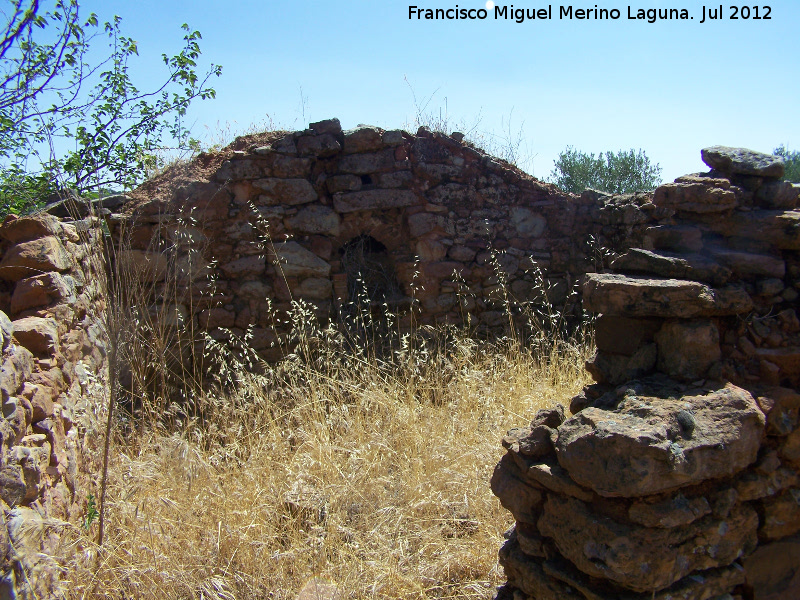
pixel 369 473
pixel 368 467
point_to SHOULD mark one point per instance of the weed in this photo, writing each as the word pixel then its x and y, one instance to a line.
pixel 91 513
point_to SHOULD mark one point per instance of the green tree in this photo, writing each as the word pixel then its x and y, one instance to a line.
pixel 792 160
pixel 70 116
pixel 616 173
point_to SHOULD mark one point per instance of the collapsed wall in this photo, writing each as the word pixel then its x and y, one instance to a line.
pixel 423 223
pixel 678 475
pixel 53 385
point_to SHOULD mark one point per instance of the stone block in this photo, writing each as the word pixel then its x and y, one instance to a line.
pixel 787 360
pixel 373 199
pixel 695 267
pixel 321 146
pixel 141 264
pixel 331 126
pixel 6 331
pixel 25 229
pixel 748 264
pixel 315 219
pixel 772 572
pixel 781 515
pixel 365 164
pixel 285 191
pixel 647 445
pixel 615 369
pixel 315 288
pixel 289 167
pixel 247 266
pixel 697 198
pixel 295 261
pixel 217 317
pixel 623 335
pixel 686 349
pixel 741 161
pixel 778 194
pixel 678 238
pixel 527 222
pixel 363 138
pixel 37 334
pixel 637 296
pixel 42 290
pixel 424 222
pixel 430 250
pixel 645 559
pixel 28 259
pixel 777 228
pixel 343 183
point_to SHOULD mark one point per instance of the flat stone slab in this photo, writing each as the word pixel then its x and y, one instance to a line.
pixel 749 264
pixel 295 261
pixel 696 267
pixel 695 197
pixel 634 296
pixel 372 199
pixel 649 445
pixel 644 559
pixel 779 228
pixel 741 161
pixel 558 579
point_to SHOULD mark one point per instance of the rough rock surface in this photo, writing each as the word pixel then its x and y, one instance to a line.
pixel 741 161
pixel 649 445
pixel 50 349
pixel 640 558
pixel 680 466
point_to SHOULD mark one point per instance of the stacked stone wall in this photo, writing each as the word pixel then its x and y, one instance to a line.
pixel 424 221
pixel 53 380
pixel 678 475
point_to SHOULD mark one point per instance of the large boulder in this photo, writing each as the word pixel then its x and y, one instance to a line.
pixel 741 161
pixel 622 295
pixel 649 445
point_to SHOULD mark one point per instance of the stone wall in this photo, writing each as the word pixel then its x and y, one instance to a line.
pixel 678 475
pixel 421 220
pixel 53 382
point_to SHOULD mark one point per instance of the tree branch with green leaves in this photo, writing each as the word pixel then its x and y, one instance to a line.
pixel 622 172
pixel 71 117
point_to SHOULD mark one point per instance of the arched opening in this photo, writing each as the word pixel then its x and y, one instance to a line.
pixel 371 278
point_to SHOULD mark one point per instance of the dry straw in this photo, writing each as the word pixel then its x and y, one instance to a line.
pixel 363 458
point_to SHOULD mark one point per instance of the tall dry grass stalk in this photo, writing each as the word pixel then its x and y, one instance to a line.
pixel 367 467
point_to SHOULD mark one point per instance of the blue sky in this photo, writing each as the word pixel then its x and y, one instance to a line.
pixel 670 87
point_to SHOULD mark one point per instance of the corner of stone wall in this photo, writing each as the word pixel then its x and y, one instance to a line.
pixel 53 380
pixel 678 474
